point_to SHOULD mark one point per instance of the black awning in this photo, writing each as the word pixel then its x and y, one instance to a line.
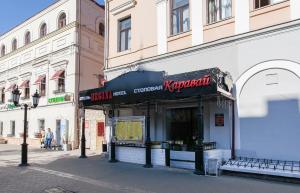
pixel 140 86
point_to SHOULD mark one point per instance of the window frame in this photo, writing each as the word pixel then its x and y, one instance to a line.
pixel 62 22
pixel 181 9
pixel 218 13
pixel 126 30
pixel 13 128
pixel 42 90
pixel 2 97
pixel 27 91
pixel 1 128
pixel 43 30
pixel 269 4
pixel 27 38
pixel 61 83
pixel 14 45
pixel 101 31
pixel 3 50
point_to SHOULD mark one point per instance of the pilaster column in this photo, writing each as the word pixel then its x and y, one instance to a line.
pixel 161 22
pixel 242 16
pixel 295 9
pixel 196 8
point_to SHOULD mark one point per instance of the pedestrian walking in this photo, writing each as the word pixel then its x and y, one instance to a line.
pixel 48 138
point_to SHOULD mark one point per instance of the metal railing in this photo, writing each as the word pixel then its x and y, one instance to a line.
pixel 281 165
pixel 209 146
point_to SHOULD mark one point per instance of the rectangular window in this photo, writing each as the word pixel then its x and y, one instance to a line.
pixel 2 99
pixel 180 16
pixel 1 128
pixel 41 125
pixel 43 87
pixel 218 10
pixel 13 128
pixel 61 83
pixel 261 3
pixel 27 90
pixel 125 34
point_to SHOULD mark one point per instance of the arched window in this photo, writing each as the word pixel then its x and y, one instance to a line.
pixel 27 38
pixel 14 45
pixel 101 29
pixel 2 50
pixel 62 21
pixel 43 30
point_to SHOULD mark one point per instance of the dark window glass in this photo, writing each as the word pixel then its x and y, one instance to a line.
pixel 14 45
pixel 101 29
pixel 61 83
pixel 27 38
pixel 43 87
pixel 125 34
pixel 218 10
pixel 43 30
pixel 2 50
pixel 62 21
pixel 180 16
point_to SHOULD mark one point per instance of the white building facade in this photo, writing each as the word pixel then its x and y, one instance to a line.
pixel 57 52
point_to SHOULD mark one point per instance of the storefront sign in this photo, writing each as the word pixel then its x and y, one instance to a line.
pixel 177 86
pixel 56 99
pixel 139 86
pixel 219 120
pixel 101 96
pixel 60 99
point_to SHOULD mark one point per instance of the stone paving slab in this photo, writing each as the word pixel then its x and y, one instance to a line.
pixel 53 170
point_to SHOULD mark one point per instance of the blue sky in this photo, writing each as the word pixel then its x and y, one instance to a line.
pixel 14 12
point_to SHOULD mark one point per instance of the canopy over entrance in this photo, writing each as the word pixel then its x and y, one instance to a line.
pixel 140 86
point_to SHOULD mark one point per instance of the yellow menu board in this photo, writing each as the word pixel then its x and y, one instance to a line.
pixel 129 130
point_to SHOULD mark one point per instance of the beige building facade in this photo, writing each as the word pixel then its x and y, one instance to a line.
pixel 58 52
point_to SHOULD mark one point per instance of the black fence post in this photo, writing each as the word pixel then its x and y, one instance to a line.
pixel 199 150
pixel 112 141
pixel 148 139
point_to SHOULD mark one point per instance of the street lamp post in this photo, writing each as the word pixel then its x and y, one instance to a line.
pixel 83 140
pixel 35 100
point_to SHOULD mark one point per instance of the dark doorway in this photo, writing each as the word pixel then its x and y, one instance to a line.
pixel 182 127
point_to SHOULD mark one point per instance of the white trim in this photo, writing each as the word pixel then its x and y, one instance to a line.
pixel 125 6
pixel 242 16
pixel 278 64
pixel 161 20
pixel 295 7
pixel 196 21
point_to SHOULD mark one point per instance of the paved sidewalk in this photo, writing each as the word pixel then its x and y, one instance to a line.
pixel 96 174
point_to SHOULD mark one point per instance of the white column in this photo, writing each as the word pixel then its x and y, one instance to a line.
pixel 161 13
pixel 242 16
pixel 197 21
pixel 295 9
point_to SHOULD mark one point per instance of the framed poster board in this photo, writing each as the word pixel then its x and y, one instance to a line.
pixel 219 120
pixel 129 129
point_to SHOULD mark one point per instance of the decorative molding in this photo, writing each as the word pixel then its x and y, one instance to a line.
pixel 25 75
pixel 35 42
pixel 60 63
pixel 125 6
